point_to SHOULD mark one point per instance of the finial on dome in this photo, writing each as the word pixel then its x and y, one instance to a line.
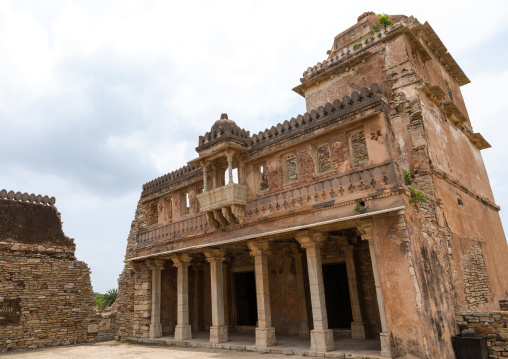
pixel 224 116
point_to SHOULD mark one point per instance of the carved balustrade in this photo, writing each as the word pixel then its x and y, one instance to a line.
pixel 173 231
pixel 322 193
pixel 319 194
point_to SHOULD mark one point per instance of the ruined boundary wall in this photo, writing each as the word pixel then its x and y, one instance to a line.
pixel 494 325
pixel 46 297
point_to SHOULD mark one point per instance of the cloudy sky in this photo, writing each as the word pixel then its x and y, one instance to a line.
pixel 99 97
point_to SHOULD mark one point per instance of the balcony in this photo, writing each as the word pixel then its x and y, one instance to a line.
pixel 224 205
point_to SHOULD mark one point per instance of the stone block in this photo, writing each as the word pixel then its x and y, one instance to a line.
pixel 155 330
pixel 321 340
pixel 104 324
pixel 93 328
pixel 265 337
pixel 218 334
pixel 183 332
pixel 358 330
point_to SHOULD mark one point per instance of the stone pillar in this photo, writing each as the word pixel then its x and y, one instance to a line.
pixel 385 339
pixel 156 266
pixel 265 333
pixel 205 178
pixel 218 330
pixel 321 338
pixel 214 177
pixel 357 326
pixel 183 328
pixel 225 294
pixel 302 302
pixel 198 269
pixel 230 167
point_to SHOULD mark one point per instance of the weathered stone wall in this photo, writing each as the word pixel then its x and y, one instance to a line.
pixel 46 297
pixel 493 325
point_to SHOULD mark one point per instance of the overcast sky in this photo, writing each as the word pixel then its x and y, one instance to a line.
pixel 98 97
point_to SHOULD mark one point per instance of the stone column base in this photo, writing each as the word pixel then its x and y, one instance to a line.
pixel 219 334
pixel 265 337
pixel 386 351
pixel 321 340
pixel 183 332
pixel 155 330
pixel 358 330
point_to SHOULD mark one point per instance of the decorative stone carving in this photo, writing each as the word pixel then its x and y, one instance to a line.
pixel 227 204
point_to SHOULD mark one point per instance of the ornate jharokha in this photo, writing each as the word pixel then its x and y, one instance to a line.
pixel 221 151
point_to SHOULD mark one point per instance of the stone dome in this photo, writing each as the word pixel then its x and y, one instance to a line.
pixel 223 125
pixel 222 129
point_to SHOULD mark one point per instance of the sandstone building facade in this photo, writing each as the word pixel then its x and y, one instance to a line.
pixel 370 216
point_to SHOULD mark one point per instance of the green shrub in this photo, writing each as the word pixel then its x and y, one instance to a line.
pixel 106 300
pixel 416 196
pixel 384 20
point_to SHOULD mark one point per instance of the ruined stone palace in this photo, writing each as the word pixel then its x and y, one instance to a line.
pixel 369 217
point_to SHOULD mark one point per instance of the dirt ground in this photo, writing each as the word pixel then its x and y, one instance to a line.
pixel 114 349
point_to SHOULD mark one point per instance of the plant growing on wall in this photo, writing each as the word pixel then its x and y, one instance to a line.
pixel 384 20
pixel 416 195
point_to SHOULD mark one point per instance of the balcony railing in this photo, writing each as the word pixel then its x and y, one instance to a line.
pixel 218 203
pixel 223 196
pixel 224 205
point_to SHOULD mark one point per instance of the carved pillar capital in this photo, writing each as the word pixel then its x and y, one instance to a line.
pixel 213 255
pixel 259 247
pixel 134 266
pixel 365 230
pixel 155 264
pixel 310 239
pixel 182 260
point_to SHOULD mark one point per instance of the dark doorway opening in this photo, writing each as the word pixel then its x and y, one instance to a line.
pixel 338 303
pixel 246 304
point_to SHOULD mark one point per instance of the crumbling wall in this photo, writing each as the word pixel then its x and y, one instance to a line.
pixel 493 325
pixel 46 297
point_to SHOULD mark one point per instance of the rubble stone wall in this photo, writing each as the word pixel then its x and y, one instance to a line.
pixel 494 325
pixel 46 297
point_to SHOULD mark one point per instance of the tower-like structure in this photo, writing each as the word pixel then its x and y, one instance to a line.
pixel 370 216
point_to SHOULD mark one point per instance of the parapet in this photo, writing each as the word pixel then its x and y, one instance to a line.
pixel 25 197
pixel 32 220
pixel 313 118
pixel 170 178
